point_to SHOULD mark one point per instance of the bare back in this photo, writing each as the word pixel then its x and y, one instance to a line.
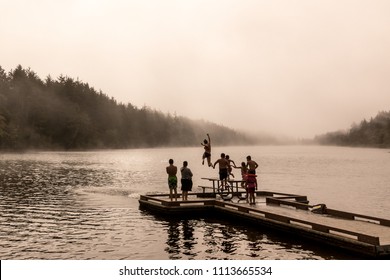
pixel 252 164
pixel 171 170
pixel 223 163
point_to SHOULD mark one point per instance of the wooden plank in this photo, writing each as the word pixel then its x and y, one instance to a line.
pixel 368 239
pixel 271 200
pixel 384 222
pixel 374 240
pixel 208 202
pixel 171 203
pixel 354 216
pixel 321 228
pixel 296 198
pixel 277 217
pixel 243 209
pixel 206 187
pixel 298 205
pixel 339 213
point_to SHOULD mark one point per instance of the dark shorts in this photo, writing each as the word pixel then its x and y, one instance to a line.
pixel 186 185
pixel 223 174
pixel 252 171
pixel 251 189
pixel 206 155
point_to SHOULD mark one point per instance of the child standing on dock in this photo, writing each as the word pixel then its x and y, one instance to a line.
pixel 186 180
pixel 230 166
pixel 223 170
pixel 252 166
pixel 244 174
pixel 251 185
pixel 207 150
pixel 244 171
pixel 172 180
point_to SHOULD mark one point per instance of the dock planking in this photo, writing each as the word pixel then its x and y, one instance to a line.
pixel 361 234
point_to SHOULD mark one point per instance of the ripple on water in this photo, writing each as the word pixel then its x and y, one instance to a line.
pixel 85 205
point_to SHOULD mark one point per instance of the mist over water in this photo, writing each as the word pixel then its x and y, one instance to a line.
pixel 283 69
pixel 296 68
pixel 84 205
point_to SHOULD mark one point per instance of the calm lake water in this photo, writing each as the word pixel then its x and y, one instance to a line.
pixel 84 205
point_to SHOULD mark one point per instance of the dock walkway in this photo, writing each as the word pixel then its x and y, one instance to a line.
pixel 290 213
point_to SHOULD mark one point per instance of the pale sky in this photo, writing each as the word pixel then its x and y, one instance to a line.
pixel 295 68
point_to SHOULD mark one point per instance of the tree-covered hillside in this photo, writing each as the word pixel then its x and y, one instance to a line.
pixel 373 133
pixel 69 114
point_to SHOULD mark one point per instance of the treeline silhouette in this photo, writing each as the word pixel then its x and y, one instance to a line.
pixel 69 114
pixel 373 133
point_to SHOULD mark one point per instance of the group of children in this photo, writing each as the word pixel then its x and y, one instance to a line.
pixel 248 170
pixel 186 180
pixel 226 165
pixel 248 174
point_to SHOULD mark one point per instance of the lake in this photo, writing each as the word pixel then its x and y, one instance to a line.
pixel 84 205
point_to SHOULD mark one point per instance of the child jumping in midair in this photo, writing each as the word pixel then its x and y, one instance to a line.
pixel 207 150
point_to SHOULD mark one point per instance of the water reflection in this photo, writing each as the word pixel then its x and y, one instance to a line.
pixel 216 238
pixel 181 239
pixel 188 237
pixel 255 241
pixel 173 231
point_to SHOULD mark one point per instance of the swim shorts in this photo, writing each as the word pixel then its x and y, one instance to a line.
pixel 172 182
pixel 251 188
pixel 223 174
pixel 186 185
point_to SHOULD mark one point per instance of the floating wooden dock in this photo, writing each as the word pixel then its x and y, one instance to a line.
pixel 361 234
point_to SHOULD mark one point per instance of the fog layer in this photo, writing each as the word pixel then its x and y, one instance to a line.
pixel 295 68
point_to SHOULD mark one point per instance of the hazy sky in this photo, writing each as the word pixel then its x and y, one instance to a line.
pixel 296 68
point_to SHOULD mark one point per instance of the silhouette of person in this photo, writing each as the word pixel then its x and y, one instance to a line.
pixel 172 180
pixel 186 180
pixel 223 169
pixel 207 150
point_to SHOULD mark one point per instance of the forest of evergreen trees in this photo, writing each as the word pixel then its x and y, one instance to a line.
pixel 373 133
pixel 69 114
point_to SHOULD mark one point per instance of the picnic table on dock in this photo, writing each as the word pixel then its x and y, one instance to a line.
pixel 216 182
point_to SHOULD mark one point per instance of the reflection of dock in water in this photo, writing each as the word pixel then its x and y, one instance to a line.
pixel 366 235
